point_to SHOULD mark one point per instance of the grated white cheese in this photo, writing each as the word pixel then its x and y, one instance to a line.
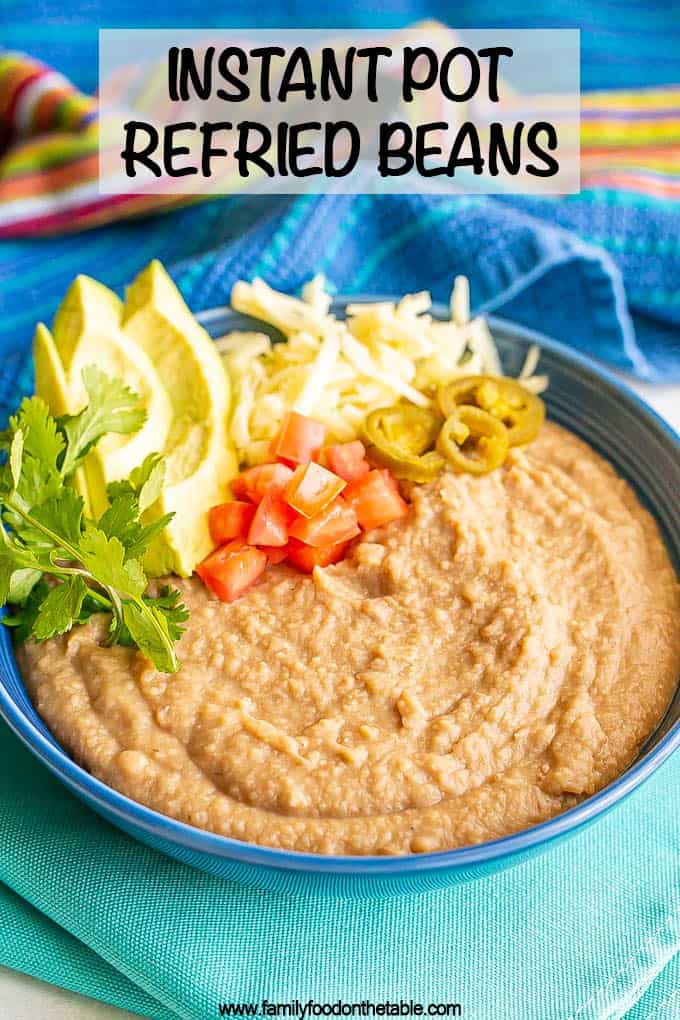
pixel 339 370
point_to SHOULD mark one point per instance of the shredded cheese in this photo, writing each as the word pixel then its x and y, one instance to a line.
pixel 338 371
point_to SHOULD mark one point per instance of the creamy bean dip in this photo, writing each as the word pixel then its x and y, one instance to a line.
pixel 482 665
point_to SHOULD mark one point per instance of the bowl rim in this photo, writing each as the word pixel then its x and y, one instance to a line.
pixel 160 826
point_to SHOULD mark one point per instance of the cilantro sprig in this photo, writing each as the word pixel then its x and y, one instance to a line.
pixel 58 566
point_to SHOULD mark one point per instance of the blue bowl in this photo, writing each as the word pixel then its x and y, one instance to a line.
pixel 644 449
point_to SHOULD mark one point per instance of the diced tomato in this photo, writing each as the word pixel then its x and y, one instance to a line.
pixel 230 520
pixel 232 569
pixel 337 523
pixel 375 499
pixel 300 438
pixel 306 557
pixel 348 460
pixel 312 488
pixel 254 482
pixel 269 525
pixel 275 554
pixel 390 479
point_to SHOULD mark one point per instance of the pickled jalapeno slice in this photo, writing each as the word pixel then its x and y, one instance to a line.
pixel 401 438
pixel 521 411
pixel 472 440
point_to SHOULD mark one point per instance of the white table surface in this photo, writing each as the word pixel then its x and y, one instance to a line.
pixel 24 998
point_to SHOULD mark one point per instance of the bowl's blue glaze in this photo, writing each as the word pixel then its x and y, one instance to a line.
pixel 645 450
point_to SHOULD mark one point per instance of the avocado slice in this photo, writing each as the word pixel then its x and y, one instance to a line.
pixel 89 312
pixel 51 385
pixel 87 330
pixel 199 456
pixel 50 378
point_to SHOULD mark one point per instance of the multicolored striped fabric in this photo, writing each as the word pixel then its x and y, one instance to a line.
pixel 49 132
pixel 35 100
pixel 630 141
pixel 49 137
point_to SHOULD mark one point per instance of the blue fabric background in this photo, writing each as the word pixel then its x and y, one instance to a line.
pixel 624 44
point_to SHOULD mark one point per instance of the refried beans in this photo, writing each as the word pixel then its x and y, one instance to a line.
pixel 478 667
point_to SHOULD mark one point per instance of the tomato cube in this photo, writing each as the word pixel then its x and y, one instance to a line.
pixel 230 570
pixel 390 479
pixel 300 438
pixel 348 460
pixel 375 499
pixel 312 488
pixel 229 520
pixel 269 525
pixel 337 523
pixel 275 554
pixel 254 482
pixel 306 557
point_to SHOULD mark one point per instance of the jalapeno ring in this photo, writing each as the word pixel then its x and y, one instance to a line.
pixel 521 411
pixel 401 438
pixel 472 440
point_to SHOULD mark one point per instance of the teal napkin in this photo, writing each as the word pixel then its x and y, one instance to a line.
pixel 581 933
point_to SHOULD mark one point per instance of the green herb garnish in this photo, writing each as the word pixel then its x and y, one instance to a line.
pixel 57 566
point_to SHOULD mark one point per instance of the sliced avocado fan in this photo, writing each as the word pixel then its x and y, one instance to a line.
pixel 154 343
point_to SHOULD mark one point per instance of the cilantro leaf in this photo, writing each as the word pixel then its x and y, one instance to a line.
pixel 58 566
pixel 13 557
pixel 89 608
pixel 54 525
pixel 119 489
pixel 6 571
pixel 42 438
pixel 22 583
pixel 148 480
pixel 43 445
pixel 112 407
pixel 7 565
pixel 121 520
pixel 168 603
pixel 22 623
pixel 128 499
pixel 60 608
pixel 16 455
pixel 147 534
pixel 36 485
pixel 145 483
pixel 175 612
pixel 104 557
pixel 62 514
pixel 149 630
